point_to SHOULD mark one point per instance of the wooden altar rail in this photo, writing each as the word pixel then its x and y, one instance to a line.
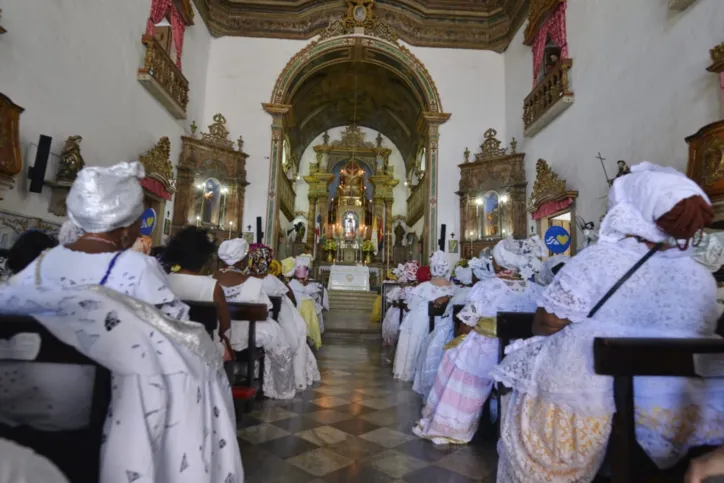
pixel 548 99
pixel 163 79
pixel 286 196
pixel 416 204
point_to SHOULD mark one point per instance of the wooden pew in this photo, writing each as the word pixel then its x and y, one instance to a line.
pixel 625 359
pixel 456 320
pixel 510 326
pixel 76 453
pixel 204 313
pixel 434 311
pixel 251 313
pixel 276 307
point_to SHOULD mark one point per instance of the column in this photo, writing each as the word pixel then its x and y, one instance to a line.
pixel 277 111
pixel 311 223
pixel 432 122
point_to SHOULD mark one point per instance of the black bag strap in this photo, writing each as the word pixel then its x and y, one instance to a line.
pixel 623 279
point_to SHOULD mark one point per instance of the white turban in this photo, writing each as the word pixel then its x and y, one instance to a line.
pixel 710 252
pixel 233 251
pixel 522 256
pixel 637 200
pixel 439 265
pixel 464 275
pixel 105 199
pixel 482 268
pixel 545 276
pixel 69 233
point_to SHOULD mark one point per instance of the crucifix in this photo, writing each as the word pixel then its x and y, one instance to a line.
pixel 602 159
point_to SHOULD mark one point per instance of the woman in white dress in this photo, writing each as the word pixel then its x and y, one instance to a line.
pixel 106 205
pixel 243 282
pixel 463 382
pixel 415 325
pixel 304 294
pixel 433 347
pixel 391 321
pixel 557 400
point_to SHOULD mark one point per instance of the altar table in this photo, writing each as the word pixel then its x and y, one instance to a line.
pixel 349 277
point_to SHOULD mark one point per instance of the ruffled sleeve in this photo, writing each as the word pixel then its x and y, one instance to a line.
pixel 486 294
pixel 152 287
pixel 575 288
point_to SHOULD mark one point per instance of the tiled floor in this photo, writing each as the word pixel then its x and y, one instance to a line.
pixel 352 427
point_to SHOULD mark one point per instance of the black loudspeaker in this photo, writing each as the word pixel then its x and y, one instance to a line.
pixel 441 242
pixel 36 173
pixel 259 233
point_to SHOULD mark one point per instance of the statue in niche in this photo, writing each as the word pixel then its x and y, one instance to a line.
pixel 350 225
pixel 399 235
pixel 300 231
pixel 211 201
pixel 491 220
pixel 71 160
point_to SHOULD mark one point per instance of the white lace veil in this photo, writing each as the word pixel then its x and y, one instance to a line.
pixel 522 256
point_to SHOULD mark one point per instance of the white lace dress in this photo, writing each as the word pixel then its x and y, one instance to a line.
pixel 391 322
pixel 463 383
pixel 25 399
pixel 278 367
pixel 431 352
pixel 415 327
pixel 171 416
pixel 559 402
pixel 306 371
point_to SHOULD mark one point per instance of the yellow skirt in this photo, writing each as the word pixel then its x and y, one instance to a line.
pixel 377 311
pixel 309 313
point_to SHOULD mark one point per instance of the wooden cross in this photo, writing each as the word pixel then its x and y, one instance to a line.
pixel 602 159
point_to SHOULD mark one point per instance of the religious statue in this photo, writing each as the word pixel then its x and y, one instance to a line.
pixel 211 201
pixel 300 231
pixel 623 168
pixel 588 228
pixel 350 226
pixel 399 235
pixel 71 160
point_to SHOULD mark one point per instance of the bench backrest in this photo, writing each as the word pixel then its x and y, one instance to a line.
pixel 204 313
pixel 456 320
pixel 511 326
pixel 435 311
pixel 276 306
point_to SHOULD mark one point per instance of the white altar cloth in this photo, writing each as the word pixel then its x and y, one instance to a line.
pixel 349 277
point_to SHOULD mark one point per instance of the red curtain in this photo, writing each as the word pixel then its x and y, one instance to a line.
pixel 555 27
pixel 159 10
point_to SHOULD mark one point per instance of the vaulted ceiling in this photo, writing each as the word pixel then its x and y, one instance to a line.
pixel 472 24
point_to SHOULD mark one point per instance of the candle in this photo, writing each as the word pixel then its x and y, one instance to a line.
pixel 231 224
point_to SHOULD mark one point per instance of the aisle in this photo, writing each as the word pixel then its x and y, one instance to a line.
pixel 353 427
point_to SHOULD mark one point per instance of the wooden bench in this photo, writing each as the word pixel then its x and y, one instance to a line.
pixel 276 307
pixel 76 452
pixel 204 313
pixel 251 313
pixel 434 311
pixel 625 359
pixel 456 320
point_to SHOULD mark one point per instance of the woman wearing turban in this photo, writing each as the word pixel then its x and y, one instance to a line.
pixel 415 325
pixel 304 293
pixel 557 400
pixel 463 383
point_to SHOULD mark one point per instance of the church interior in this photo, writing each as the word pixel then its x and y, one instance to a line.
pixel 353 141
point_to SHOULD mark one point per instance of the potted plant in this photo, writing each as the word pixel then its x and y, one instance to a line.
pixel 368 248
pixel 330 246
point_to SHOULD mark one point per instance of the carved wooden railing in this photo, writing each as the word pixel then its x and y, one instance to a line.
pixel 286 196
pixel 548 99
pixel 163 79
pixel 416 204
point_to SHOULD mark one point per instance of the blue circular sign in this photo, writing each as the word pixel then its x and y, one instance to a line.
pixel 557 239
pixel 148 222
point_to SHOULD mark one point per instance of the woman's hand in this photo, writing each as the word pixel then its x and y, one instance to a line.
pixel 227 345
pixel 547 324
pixel 441 301
pixel 707 466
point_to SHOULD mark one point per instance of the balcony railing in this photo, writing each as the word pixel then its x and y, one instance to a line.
pixel 163 79
pixel 416 204
pixel 549 98
pixel 286 196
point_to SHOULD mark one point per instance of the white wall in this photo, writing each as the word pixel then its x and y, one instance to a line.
pixel 471 86
pixel 400 192
pixel 640 88
pixel 72 65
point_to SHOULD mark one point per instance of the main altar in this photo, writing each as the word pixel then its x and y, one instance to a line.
pixel 349 277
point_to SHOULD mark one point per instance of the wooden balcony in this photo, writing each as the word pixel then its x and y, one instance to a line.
pixel 549 99
pixel 163 79
pixel 286 196
pixel 416 204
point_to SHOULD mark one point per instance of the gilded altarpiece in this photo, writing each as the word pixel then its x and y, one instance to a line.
pixel 11 161
pixel 551 203
pixel 159 185
pixel 211 182
pixel 492 196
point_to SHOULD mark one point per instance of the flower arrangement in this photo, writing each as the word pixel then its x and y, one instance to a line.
pixel 330 245
pixel 367 246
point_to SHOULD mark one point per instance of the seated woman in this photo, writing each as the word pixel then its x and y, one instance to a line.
pixel 557 400
pixel 463 382
pixel 242 281
pixel 189 253
pixel 391 322
pixel 27 248
pixel 171 415
pixel 432 349
pixel 106 204
pixel 304 294
pixel 415 325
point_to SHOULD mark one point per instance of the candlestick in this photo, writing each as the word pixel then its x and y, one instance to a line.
pixel 231 224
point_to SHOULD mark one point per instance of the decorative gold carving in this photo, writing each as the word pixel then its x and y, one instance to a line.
pixel 706 160
pixel 717 58
pixel 11 161
pixel 548 99
pixel 360 15
pixel 491 146
pixel 466 154
pixel 539 10
pixel 416 204
pixel 71 161
pixel 218 135
pixel 163 79
pixel 286 196
pixel 186 10
pixel 352 138
pixel 194 128
pixel 157 163
pixel 547 187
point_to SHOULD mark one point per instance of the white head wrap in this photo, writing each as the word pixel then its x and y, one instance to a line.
pixel 464 275
pixel 233 251
pixel 545 276
pixel 482 268
pixel 637 200
pixel 400 273
pixel 522 256
pixel 470 314
pixel 439 265
pixel 710 252
pixel 104 199
pixel 69 233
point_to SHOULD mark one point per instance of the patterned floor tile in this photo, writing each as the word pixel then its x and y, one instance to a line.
pixel 261 434
pixel 355 426
pixel 374 391
pixel 273 469
pixel 426 450
pixel 395 464
pixel 356 449
pixel 358 472
pixel 354 409
pixel 328 416
pixel 297 424
pixel 435 474
pixel 330 402
pixel 320 462
pixel 324 435
pixel 273 413
pixel 288 446
pixel 389 438
pixel 471 461
pixel 379 403
pixel 332 390
pixel 381 418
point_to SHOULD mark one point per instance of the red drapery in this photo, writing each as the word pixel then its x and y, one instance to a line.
pixel 555 27
pixel 159 10
pixel 154 186
pixel 551 207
